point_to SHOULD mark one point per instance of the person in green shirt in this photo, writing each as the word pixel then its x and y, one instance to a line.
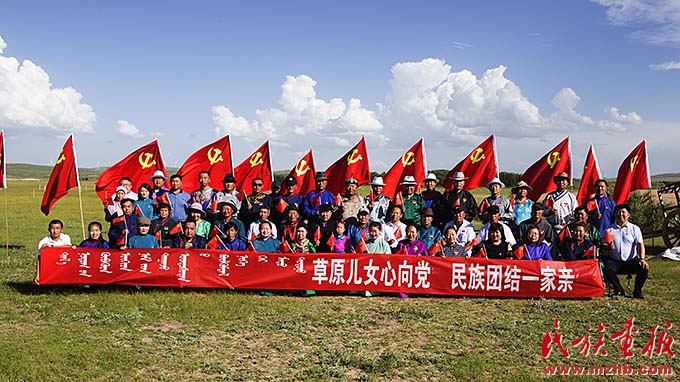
pixel 414 204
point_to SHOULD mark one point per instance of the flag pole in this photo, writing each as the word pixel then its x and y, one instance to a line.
pixel 6 225
pixel 80 196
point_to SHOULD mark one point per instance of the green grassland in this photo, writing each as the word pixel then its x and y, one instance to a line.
pixel 118 333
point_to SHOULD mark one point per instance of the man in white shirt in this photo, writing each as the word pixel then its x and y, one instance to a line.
pixel 626 254
pixel 494 214
pixel 56 238
pixel 465 231
pixel 560 203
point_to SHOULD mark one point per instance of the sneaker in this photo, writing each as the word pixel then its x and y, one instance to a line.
pixel 638 294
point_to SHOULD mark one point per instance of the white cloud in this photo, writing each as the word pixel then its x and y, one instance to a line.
pixel 129 130
pixel 460 45
pixel 670 65
pixel 28 100
pixel 657 21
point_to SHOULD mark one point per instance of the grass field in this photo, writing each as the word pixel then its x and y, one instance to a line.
pixel 121 334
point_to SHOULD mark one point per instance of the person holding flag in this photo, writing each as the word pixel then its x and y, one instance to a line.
pixel 122 226
pixel 302 244
pixel 256 201
pixel 317 197
pixel 350 202
pixel 254 228
pixel 205 195
pixel 377 202
pixel 430 194
pixel 449 246
pixel 413 203
pixel 531 248
pixel 375 243
pixel 457 196
pixel 288 228
pixel 188 238
pixel 158 180
pixel 494 214
pixel 560 203
pixel 230 240
pixel 227 214
pixel 600 208
pixel 428 233
pixel 495 186
pixel 288 197
pixel 144 205
pixel 464 233
pixel 495 247
pixel 577 246
pixel 325 226
pixel 162 226
pixel 411 245
pixel 229 193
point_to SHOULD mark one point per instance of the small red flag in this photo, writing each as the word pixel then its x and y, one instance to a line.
pixel 250 247
pixel 540 174
pixel 163 199
pixel 138 211
pixel 214 243
pixel 402 251
pixel 253 237
pixel 633 174
pixel 281 205
pixel 257 165
pixel 520 252
pixel 482 252
pixel 284 247
pixel 398 200
pixel 456 203
pixel 64 177
pixel 608 237
pixel 214 204
pixel 214 158
pixel 591 205
pixel 122 239
pixel 139 166
pixel 158 236
pixel 304 172
pixel 480 166
pixel 591 173
pixel 397 233
pixel 338 200
pixel 176 229
pixel 549 202
pixel 214 231
pixel 331 241
pixel 371 195
pixel 353 164
pixel 118 219
pixel 434 249
pixel 317 234
pixel 565 233
pixel 411 163
pixel 483 205
pixel 361 246
pixel 3 162
pixel 589 253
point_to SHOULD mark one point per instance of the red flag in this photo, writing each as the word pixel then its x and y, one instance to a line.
pixel 565 233
pixel 214 231
pixel 304 172
pixel 480 166
pixel 214 204
pixel 633 174
pixel 398 200
pixel 281 205
pixel 411 163
pixel 361 246
pixel 214 158
pixel 608 237
pixel 402 251
pixel 284 247
pixel 353 164
pixel 591 173
pixel 3 163
pixel 250 247
pixel 253 236
pixel 331 241
pixel 435 248
pixel 520 252
pixel 118 219
pixel 589 253
pixel 162 199
pixel 122 239
pixel 257 165
pixel 138 211
pixel 591 205
pixel 482 252
pixel 158 236
pixel 483 205
pixel 456 203
pixel 176 229
pixel 338 200
pixel 214 242
pixel 540 174
pixel 549 202
pixel 317 234
pixel 139 166
pixel 64 177
pixel 397 233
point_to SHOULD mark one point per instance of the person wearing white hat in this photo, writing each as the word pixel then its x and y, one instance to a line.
pixel 521 204
pixel 158 180
pixel 456 196
pixel 413 203
pixel 560 203
pixel 376 201
pixel 495 186
pixel 430 195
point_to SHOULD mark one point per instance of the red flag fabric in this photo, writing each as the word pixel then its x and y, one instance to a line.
pixel 361 246
pixel 331 241
pixel 353 164
pixel 589 253
pixel 591 205
pixel 257 165
pixel 411 163
pixel 565 233
pixel 434 249
pixel 250 247
pixel 317 234
pixel 540 174
pixel 64 177
pixel 480 166
pixel 549 202
pixel 139 166
pixel 214 204
pixel 118 219
pixel 162 199
pixel 138 210
pixel 520 252
pixel 281 205
pixel 214 231
pixel 214 243
pixel 591 173
pixel 338 200
pixel 402 251
pixel 284 247
pixel 397 234
pixel 608 237
pixel 214 158
pixel 304 172
pixel 398 199
pixel 176 229
pixel 482 252
pixel 3 163
pixel 483 205
pixel 158 236
pixel 633 174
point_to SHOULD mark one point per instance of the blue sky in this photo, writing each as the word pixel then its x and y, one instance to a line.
pixel 188 74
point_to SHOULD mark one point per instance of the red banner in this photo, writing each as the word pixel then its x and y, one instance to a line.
pixel 276 271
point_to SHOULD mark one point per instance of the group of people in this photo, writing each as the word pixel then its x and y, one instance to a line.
pixel 427 223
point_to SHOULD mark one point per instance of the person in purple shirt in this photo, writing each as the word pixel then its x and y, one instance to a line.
pixel 411 245
pixel 317 197
pixel 232 242
pixel 603 216
pixel 536 250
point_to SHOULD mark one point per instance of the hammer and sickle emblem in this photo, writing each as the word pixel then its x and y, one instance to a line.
pixel 301 168
pixel 477 155
pixel 61 158
pixel 354 157
pixel 214 155
pixel 408 159
pixel 553 158
pixel 633 162
pixel 256 159
pixel 147 160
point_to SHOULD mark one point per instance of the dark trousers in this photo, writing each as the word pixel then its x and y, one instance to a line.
pixel 612 268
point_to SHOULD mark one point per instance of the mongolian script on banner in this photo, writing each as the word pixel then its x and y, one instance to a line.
pixel 384 273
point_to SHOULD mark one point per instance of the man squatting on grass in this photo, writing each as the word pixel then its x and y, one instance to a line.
pixel 624 252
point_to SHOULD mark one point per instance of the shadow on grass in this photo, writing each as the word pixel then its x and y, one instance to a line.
pixel 30 288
